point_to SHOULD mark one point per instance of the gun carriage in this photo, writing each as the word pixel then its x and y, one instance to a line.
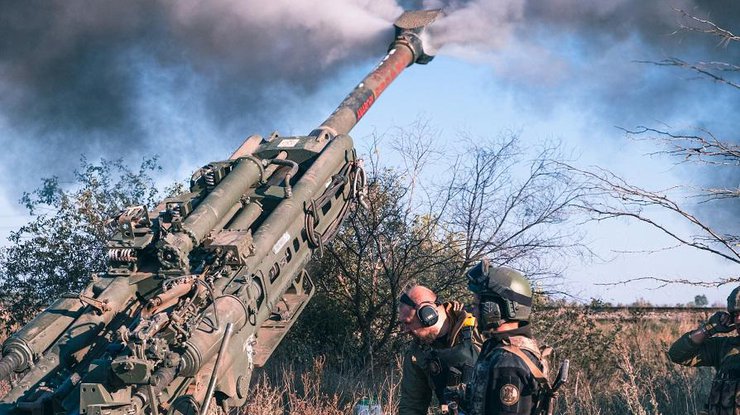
pixel 202 289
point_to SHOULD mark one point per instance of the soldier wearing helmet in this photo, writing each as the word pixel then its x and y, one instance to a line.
pixel 700 347
pixel 445 347
pixel 511 367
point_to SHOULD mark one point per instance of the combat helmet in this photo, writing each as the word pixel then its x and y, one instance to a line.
pixel 733 301
pixel 505 294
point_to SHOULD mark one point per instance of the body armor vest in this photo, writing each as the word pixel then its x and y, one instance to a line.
pixel 489 355
pixel 724 397
pixel 460 357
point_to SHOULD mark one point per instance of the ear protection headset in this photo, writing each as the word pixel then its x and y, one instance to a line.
pixel 494 310
pixel 426 312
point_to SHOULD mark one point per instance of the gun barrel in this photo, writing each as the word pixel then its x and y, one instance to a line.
pixel 9 363
pixel 405 50
pixel 33 339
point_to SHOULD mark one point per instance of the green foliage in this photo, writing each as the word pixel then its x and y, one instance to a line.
pixel 325 329
pixel 64 242
pixel 379 250
pixel 701 300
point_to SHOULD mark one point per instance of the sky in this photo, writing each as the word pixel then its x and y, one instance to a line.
pixel 188 81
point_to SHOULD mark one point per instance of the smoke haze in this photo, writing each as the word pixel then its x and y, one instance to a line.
pixel 107 77
pixel 117 79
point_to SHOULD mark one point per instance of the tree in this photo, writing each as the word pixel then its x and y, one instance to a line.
pixel 64 243
pixel 511 209
pixel 494 202
pixel 701 300
pixel 669 210
pixel 375 255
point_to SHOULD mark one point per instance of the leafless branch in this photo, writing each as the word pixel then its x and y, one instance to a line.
pixel 706 69
pixel 704 148
pixel 664 282
pixel 613 197
pixel 693 23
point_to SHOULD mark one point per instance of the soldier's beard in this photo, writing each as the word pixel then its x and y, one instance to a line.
pixel 426 334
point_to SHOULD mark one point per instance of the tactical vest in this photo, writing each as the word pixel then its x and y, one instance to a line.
pixel 724 397
pixel 462 356
pixel 476 396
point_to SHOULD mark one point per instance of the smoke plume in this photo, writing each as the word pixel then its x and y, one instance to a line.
pixel 117 79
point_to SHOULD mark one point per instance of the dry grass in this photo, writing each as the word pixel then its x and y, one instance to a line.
pixel 282 389
pixel 618 366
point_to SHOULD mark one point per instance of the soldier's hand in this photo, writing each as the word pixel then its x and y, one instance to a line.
pixel 453 397
pixel 720 322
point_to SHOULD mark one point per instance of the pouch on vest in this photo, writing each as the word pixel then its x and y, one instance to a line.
pixel 460 357
pixel 723 397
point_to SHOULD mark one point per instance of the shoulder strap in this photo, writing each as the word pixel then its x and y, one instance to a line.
pixel 536 372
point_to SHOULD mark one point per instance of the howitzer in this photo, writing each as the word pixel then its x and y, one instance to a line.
pixel 202 289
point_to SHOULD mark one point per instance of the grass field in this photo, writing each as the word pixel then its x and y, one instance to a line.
pixel 618 366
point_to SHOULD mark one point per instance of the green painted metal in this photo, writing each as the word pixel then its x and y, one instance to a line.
pixel 203 288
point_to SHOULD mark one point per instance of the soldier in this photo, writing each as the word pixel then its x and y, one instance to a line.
pixel 700 348
pixel 445 347
pixel 510 376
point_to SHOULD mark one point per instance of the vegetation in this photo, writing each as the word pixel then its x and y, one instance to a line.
pixel 57 251
pixel 412 231
pixel 618 365
pixel 701 216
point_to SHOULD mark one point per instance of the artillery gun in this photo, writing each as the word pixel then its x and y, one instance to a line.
pixel 202 289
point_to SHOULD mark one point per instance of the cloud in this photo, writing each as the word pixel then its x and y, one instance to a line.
pixel 90 77
pixel 120 78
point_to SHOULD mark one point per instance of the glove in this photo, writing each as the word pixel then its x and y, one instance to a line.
pixel 453 393
pixel 720 322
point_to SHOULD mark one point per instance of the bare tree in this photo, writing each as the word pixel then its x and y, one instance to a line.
pixel 506 207
pixel 721 72
pixel 677 208
pixel 494 202
pixel 612 197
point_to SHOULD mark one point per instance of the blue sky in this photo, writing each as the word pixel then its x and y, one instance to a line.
pixel 484 106
pixel 189 84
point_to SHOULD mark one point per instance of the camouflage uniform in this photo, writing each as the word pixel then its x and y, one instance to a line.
pixel 502 382
pixel 722 353
pixel 426 366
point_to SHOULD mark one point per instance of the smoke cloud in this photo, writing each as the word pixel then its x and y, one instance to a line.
pixel 118 78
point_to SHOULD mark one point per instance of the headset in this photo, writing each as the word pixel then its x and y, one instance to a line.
pixel 426 312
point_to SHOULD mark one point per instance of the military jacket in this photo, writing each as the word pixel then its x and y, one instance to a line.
pixel 502 383
pixel 722 353
pixel 426 367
